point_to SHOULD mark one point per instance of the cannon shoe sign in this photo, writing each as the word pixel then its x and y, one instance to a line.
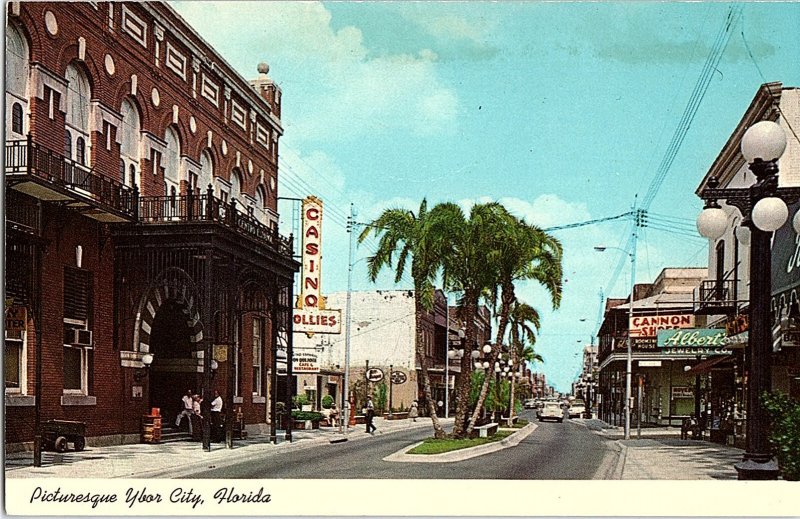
pixel 310 315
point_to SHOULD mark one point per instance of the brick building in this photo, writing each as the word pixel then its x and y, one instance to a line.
pixel 140 205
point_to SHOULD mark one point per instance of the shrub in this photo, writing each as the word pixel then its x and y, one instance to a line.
pixel 327 402
pixel 301 400
pixel 784 434
pixel 302 416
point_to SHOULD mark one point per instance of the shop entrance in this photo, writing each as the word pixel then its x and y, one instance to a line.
pixel 174 369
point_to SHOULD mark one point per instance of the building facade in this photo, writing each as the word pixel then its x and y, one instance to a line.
pixel 383 335
pixel 724 296
pixel 141 195
pixel 662 390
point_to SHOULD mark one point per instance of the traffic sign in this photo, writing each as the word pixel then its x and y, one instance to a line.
pixel 398 377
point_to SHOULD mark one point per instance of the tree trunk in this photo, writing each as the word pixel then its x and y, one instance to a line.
pixel 507 298
pixel 469 311
pixel 511 397
pixel 438 430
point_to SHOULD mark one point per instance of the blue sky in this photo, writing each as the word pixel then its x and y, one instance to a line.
pixel 561 111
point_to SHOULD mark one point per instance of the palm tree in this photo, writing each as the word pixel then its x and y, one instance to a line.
pixel 468 248
pixel 523 318
pixel 401 229
pixel 525 252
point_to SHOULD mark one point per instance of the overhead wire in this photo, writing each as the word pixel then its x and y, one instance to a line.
pixel 698 94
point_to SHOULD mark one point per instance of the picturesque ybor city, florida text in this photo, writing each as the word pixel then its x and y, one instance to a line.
pixel 274 241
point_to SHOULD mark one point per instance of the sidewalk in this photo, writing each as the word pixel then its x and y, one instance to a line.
pixel 661 454
pixel 168 460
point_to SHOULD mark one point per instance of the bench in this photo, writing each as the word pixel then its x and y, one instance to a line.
pixel 484 431
pixel 513 420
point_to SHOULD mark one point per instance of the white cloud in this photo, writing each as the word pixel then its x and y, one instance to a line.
pixel 334 90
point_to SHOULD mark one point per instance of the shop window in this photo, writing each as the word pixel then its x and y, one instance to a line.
pixel 16 118
pixel 13 355
pixel 257 349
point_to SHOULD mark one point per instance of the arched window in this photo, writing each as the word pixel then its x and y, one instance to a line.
pixel 129 147
pixel 16 81
pixel 80 151
pixel 79 95
pixel 172 158
pixel 261 205
pixel 16 119
pixel 236 186
pixel 68 144
pixel 206 176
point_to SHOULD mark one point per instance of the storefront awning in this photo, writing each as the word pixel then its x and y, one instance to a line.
pixel 706 365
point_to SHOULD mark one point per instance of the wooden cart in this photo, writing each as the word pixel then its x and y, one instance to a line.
pixel 57 434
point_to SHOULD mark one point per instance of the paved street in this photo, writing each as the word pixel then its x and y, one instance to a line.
pixel 553 451
pixel 578 449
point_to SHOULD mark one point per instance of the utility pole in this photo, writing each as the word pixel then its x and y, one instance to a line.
pixel 346 392
pixel 447 356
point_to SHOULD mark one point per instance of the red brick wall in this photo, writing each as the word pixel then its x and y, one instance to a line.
pixel 116 411
pixel 80 19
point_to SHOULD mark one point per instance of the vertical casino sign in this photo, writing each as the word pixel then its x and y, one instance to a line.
pixel 310 315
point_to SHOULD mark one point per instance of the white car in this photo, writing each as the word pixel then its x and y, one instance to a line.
pixel 551 411
pixel 577 408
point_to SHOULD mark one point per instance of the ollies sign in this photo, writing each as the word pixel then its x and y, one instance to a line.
pixel 310 315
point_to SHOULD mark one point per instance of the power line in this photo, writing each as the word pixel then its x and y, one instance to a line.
pixel 699 92
pixel 587 222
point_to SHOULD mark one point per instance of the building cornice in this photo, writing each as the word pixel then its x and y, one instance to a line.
pixel 765 106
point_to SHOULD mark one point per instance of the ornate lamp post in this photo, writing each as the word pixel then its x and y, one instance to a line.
pixel 764 210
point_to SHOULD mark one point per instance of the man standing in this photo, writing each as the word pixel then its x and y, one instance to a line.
pixel 216 417
pixel 370 416
pixel 187 410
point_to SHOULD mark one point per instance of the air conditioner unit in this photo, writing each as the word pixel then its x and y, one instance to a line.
pixel 79 337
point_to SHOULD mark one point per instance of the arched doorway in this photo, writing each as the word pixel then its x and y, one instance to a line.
pixel 174 369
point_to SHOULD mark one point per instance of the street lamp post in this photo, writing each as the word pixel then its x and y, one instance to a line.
pixel 629 355
pixel 764 210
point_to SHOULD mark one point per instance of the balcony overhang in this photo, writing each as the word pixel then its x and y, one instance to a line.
pixel 47 176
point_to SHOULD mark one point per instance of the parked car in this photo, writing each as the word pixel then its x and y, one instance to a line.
pixel 550 411
pixel 529 404
pixel 577 408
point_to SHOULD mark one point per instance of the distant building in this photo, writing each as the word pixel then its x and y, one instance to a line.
pixel 383 336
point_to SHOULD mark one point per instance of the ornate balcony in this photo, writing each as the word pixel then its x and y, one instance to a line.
pixel 715 297
pixel 46 175
pixel 207 208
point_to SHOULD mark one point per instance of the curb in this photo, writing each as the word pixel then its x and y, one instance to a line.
pixel 461 454
pixel 231 458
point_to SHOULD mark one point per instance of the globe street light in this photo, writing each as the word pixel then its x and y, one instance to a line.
pixel 629 353
pixel 763 208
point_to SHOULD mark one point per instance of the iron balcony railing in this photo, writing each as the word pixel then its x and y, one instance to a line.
pixel 715 297
pixel 22 214
pixel 208 208
pixel 26 160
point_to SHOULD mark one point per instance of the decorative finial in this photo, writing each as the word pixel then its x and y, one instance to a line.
pixel 263 68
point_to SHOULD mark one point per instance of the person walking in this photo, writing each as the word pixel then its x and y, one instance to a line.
pixel 216 417
pixel 187 410
pixel 414 411
pixel 197 417
pixel 564 411
pixel 370 416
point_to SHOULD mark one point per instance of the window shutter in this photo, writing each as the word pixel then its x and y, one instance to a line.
pixel 77 294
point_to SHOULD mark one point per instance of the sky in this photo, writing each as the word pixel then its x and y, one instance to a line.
pixel 563 112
